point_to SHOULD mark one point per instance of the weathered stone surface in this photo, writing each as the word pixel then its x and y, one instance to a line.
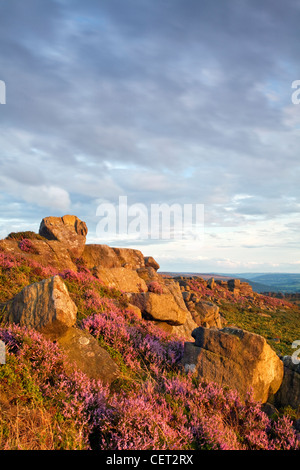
pixel 108 257
pixel 68 230
pixel 83 351
pixel 235 358
pixel 151 263
pixel 161 307
pixel 289 391
pixel 45 306
pixel 126 280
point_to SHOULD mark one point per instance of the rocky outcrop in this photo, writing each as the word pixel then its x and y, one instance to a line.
pixel 45 306
pixel 61 240
pixel 69 230
pixel 234 358
pixel 240 288
pixel 289 391
pixel 204 313
pixel 83 352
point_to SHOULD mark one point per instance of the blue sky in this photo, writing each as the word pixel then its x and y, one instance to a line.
pixel 162 101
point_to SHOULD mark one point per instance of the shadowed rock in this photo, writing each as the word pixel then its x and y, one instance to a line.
pixel 289 391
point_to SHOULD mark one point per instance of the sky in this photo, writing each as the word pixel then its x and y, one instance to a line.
pixel 185 102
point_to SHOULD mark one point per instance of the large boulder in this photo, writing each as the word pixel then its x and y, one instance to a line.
pixel 68 230
pixel 107 257
pixel 289 391
pixel 45 306
pixel 126 280
pixel 84 353
pixel 234 358
pixel 159 307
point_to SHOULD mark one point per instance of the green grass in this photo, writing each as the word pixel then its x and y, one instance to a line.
pixel 22 235
pixel 281 323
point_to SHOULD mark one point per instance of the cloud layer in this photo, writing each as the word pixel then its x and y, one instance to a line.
pixel 165 102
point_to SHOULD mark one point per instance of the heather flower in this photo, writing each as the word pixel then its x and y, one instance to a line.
pixel 26 245
pixel 155 287
pixel 7 261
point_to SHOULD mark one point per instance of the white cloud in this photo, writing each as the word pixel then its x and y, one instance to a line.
pixel 51 197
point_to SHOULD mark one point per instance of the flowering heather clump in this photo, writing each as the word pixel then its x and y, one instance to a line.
pixel 17 272
pixel 162 412
pixel 36 375
pixel 155 287
pixel 7 261
pixel 83 276
pixel 27 246
pixel 42 271
pixel 141 344
pixel 197 286
pixel 275 302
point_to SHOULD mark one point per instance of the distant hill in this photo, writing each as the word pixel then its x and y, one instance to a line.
pixel 276 282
